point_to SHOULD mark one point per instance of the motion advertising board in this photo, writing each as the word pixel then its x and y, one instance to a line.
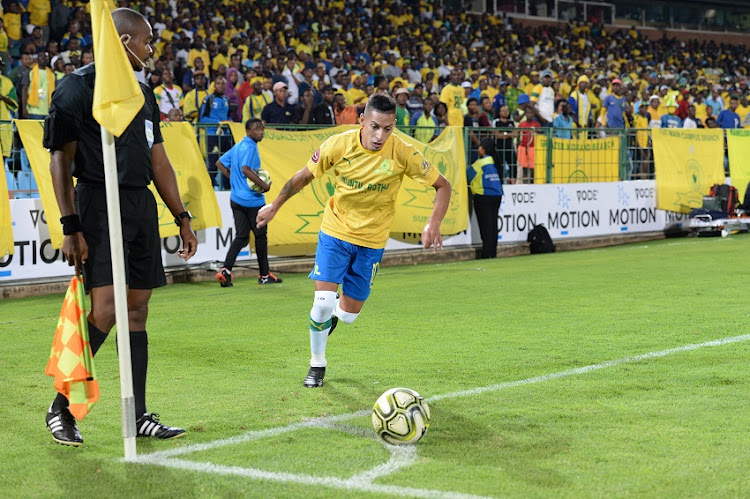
pixel 570 210
pixel 583 210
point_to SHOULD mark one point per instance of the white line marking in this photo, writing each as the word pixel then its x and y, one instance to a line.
pixel 348 484
pixel 588 369
pixel 363 481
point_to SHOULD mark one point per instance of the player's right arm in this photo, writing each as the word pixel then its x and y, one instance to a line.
pixel 74 246
pixel 295 184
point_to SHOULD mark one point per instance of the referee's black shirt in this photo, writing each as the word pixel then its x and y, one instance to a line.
pixel 71 119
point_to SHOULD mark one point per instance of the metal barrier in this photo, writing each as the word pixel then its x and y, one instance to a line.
pixel 541 155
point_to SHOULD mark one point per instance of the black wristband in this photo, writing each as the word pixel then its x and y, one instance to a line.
pixel 71 224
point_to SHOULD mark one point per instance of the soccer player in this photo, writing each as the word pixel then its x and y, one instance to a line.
pixel 369 164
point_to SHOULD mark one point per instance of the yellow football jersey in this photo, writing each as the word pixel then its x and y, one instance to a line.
pixel 363 205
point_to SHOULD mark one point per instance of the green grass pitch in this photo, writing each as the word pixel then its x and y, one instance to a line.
pixel 493 345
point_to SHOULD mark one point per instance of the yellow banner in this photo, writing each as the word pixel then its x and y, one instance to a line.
pixel 577 160
pixel 283 153
pixel 738 142
pixel 31 133
pixel 6 224
pixel 195 185
pixel 687 164
pixel 192 178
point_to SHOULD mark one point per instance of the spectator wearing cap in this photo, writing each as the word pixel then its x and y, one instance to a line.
pixel 493 86
pixel 543 99
pixel 323 113
pixel 192 99
pixel 187 79
pixel 655 111
pixel 402 113
pixel 453 96
pixel 58 66
pixel 580 104
pixel 481 88
pixel 671 120
pixel 614 106
pixel 279 110
pixel 356 95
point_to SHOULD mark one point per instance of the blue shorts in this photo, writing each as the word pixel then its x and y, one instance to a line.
pixel 352 266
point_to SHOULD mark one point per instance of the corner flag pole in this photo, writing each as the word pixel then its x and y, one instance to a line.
pixel 120 290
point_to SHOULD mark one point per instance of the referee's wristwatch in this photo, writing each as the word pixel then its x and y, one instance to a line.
pixel 184 214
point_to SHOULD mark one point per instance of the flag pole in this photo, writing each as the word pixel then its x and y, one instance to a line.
pixel 120 291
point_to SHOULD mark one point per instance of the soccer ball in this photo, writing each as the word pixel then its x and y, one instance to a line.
pixel 401 416
pixel 264 176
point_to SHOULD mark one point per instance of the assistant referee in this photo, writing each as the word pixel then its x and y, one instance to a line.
pixel 73 137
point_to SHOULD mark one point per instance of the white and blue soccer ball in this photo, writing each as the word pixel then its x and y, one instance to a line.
pixel 401 416
pixel 264 176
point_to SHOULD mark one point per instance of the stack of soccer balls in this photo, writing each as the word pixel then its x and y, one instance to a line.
pixel 401 416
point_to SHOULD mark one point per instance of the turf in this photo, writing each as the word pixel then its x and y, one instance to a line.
pixel 228 361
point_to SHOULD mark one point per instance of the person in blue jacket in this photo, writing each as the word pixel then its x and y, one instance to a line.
pixel 487 189
pixel 671 120
pixel 215 109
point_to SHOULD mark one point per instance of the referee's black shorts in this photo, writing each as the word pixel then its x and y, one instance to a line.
pixel 140 235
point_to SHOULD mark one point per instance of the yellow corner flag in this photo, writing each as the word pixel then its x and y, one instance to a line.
pixel 117 95
pixel 70 360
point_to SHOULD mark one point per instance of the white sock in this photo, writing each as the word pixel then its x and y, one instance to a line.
pixel 320 325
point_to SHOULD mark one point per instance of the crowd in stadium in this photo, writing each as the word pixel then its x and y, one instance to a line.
pixel 317 62
pixel 290 62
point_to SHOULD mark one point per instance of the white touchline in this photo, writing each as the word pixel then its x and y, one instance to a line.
pixel 363 481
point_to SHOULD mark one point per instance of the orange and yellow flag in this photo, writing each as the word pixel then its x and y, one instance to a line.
pixel 70 361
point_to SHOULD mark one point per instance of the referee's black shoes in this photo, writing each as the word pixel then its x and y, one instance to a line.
pixel 63 427
pixel 148 425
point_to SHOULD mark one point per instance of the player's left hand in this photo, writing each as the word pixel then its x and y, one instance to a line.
pixel 189 242
pixel 431 238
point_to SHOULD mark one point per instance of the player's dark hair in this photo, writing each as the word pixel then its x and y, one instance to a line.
pixel 252 122
pixel 382 104
pixel 472 99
